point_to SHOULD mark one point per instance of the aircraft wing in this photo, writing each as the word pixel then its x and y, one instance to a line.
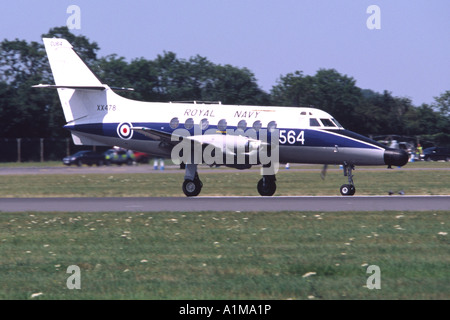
pixel 227 144
pixel 154 134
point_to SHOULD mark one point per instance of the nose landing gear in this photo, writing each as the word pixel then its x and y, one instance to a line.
pixel 348 189
pixel 267 186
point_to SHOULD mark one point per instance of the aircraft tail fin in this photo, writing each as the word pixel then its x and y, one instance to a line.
pixel 67 66
pixel 79 90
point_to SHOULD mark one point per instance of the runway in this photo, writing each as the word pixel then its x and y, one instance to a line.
pixel 198 204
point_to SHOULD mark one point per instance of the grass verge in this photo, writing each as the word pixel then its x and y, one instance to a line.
pixel 225 255
pixel 289 183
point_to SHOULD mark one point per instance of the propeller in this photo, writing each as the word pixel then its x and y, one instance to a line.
pixel 323 173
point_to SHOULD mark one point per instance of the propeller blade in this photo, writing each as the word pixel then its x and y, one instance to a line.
pixel 323 173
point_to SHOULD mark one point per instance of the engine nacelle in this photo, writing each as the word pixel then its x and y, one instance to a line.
pixel 234 151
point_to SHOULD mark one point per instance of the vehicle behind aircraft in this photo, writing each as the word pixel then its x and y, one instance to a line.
pixel 85 157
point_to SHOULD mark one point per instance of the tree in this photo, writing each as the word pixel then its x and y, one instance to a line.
pixel 386 112
pixel 168 78
pixel 232 85
pixel 293 89
pixel 327 90
pixel 26 111
pixel 422 120
pixel 338 95
pixel 442 104
pixel 29 112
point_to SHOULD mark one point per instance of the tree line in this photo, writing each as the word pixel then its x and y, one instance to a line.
pixel 29 112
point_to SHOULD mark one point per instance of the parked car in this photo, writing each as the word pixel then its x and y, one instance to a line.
pixel 85 157
pixel 119 157
pixel 141 157
pixel 436 153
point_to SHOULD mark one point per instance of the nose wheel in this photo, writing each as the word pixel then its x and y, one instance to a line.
pixel 348 189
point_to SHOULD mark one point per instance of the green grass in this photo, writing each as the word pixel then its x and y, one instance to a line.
pixel 225 255
pixel 231 182
pixel 30 164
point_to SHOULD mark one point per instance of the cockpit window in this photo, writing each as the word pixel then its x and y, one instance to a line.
pixel 313 122
pixel 327 123
pixel 337 123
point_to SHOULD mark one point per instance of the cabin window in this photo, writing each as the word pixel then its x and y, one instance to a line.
pixel 271 126
pixel 242 125
pixel 174 123
pixel 189 123
pixel 313 122
pixel 204 124
pixel 257 125
pixel 222 125
pixel 327 123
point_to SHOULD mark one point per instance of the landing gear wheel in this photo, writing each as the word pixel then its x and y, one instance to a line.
pixel 266 188
pixel 192 188
pixel 348 190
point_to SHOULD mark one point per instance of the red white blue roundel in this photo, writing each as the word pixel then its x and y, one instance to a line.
pixel 124 131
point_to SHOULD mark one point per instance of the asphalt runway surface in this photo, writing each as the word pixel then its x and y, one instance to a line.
pixel 198 204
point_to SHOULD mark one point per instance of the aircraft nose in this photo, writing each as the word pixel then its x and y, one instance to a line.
pixel 395 157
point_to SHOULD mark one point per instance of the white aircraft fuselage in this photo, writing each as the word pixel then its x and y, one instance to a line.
pixel 96 115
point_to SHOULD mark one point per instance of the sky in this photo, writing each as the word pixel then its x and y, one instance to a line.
pixel 402 47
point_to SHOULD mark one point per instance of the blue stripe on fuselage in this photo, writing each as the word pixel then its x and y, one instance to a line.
pixel 312 137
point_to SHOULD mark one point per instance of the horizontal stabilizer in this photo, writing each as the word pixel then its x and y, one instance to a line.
pixel 51 86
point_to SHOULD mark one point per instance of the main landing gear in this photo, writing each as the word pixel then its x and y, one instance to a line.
pixel 348 189
pixel 267 186
pixel 192 185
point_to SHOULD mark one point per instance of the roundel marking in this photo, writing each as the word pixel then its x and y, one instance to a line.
pixel 124 130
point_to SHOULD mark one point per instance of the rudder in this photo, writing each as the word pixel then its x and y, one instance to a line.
pixel 78 87
pixel 67 67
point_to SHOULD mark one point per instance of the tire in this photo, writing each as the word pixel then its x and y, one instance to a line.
pixel 266 189
pixel 192 188
pixel 347 190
